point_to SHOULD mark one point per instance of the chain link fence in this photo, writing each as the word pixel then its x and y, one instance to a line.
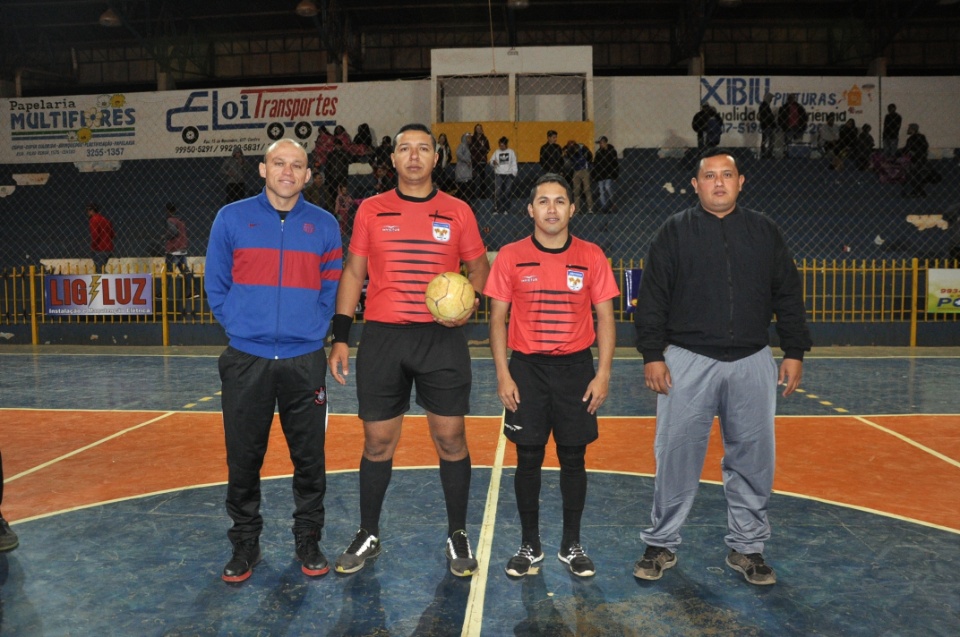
pixel 850 205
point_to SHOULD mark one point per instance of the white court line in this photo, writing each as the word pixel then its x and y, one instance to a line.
pixel 90 446
pixel 909 441
pixel 473 617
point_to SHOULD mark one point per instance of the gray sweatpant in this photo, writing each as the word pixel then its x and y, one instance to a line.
pixel 743 395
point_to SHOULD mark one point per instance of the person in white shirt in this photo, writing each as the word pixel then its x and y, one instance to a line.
pixel 504 162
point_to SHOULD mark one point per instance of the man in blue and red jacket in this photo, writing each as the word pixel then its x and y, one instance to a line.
pixel 272 268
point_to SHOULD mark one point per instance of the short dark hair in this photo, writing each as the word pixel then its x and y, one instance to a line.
pixel 503 140
pixel 551 178
pixel 716 152
pixel 93 206
pixel 171 207
pixel 417 127
pixel 551 133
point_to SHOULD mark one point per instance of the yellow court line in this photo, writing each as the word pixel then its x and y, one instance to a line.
pixel 910 441
pixel 90 446
pixel 473 617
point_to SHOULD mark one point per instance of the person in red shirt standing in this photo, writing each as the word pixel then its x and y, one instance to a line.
pixel 549 282
pixel 101 238
pixel 402 239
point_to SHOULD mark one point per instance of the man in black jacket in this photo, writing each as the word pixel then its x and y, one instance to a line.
pixel 714 277
pixel 551 154
pixel 606 170
pixel 916 148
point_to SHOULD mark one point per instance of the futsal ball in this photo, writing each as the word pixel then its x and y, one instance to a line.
pixel 450 296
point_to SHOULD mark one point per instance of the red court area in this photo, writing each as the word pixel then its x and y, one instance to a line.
pixel 59 460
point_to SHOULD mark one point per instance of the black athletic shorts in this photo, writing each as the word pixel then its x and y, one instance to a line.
pixel 551 392
pixel 392 358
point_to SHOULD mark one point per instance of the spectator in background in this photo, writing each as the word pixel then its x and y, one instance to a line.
pixel 444 157
pixel 234 171
pixel 322 147
pixel 768 126
pixel 381 154
pixel 344 210
pixel 101 238
pixel 863 148
pixel 315 192
pixel 606 169
pixel 916 148
pixel 714 130
pixel 580 158
pixel 828 135
pixel 846 144
pixel 551 155
pixel 8 539
pixel 952 216
pixel 463 172
pixel 385 178
pixel 504 162
pixel 792 120
pixel 175 241
pixel 699 124
pixel 890 135
pixel 363 140
pixel 479 151
pixel 336 172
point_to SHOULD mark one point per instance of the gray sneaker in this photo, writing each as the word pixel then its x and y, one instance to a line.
pixel 363 548
pixel 752 567
pixel 462 562
pixel 655 560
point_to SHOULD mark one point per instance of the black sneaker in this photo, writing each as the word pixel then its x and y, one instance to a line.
pixel 519 565
pixel 246 555
pixel 577 561
pixel 308 552
pixel 655 560
pixel 363 548
pixel 8 539
pixel 462 562
pixel 753 568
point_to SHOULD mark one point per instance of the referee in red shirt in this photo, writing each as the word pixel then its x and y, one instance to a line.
pixel 402 239
pixel 550 282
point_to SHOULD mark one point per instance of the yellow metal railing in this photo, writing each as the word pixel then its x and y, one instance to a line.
pixel 834 292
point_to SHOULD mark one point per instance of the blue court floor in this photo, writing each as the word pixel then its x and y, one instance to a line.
pixel 149 564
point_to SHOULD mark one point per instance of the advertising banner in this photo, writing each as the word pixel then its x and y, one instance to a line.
pixel 737 99
pixel 78 294
pixel 943 291
pixel 198 123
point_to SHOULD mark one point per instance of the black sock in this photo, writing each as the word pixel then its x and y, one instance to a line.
pixel 573 490
pixel 374 480
pixel 455 480
pixel 526 486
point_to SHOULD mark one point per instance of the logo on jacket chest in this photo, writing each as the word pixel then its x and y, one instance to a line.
pixel 575 280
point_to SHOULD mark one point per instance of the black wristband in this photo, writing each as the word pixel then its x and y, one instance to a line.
pixel 341 328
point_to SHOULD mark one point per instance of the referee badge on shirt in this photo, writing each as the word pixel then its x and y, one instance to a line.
pixel 441 231
pixel 574 280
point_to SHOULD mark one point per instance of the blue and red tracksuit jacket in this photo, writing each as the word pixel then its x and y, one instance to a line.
pixel 272 282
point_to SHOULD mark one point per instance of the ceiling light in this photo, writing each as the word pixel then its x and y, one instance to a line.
pixel 306 8
pixel 109 18
pixel 518 4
